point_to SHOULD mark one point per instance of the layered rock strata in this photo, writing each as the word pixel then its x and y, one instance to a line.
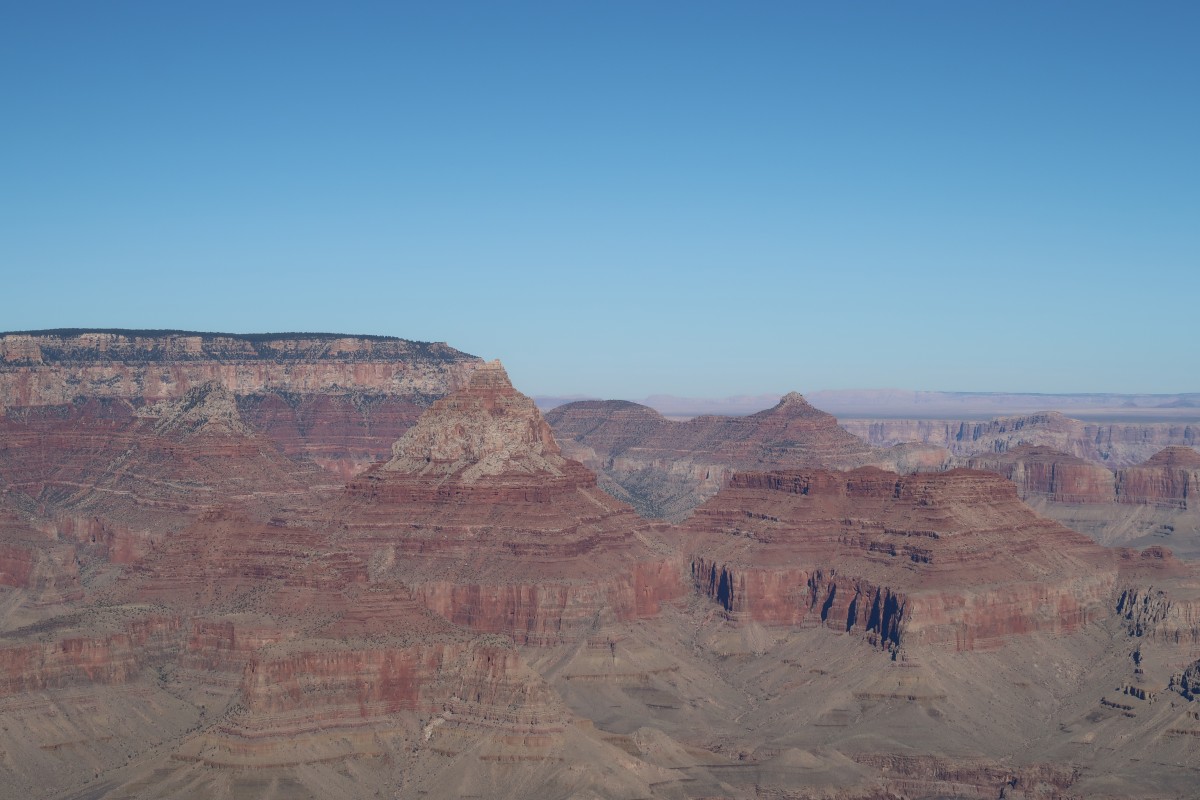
pixel 337 400
pixel 1148 504
pixel 119 480
pixel 667 468
pixel 903 559
pixel 1048 474
pixel 494 529
pixel 56 368
pixel 1116 444
pixel 1169 478
pixel 46 570
pixel 91 649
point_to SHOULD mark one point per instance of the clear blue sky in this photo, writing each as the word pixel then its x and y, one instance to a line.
pixel 621 198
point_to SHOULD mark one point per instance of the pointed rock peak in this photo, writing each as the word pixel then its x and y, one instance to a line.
pixel 793 404
pixel 208 408
pixel 1174 456
pixel 487 428
pixel 490 375
pixel 793 399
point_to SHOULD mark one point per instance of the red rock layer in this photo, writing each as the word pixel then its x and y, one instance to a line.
pixel 670 467
pixel 1046 473
pixel 494 529
pixel 1170 478
pixel 231 562
pixel 338 401
pixel 56 368
pixel 47 570
pixel 305 704
pixel 952 558
pixel 32 561
pixel 344 434
pixel 1109 444
pixel 1158 600
pixel 120 480
pixel 80 658
pixel 906 775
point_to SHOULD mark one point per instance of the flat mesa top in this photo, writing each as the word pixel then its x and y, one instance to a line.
pixel 153 333
pixel 78 345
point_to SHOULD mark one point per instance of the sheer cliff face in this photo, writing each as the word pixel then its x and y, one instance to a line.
pixel 905 559
pixel 1042 472
pixel 1152 503
pixel 1113 445
pixel 338 401
pixel 51 369
pixel 667 468
pixel 492 527
pixel 1170 478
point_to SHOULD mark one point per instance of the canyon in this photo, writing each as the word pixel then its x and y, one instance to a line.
pixel 199 598
pixel 1113 444
pixel 665 468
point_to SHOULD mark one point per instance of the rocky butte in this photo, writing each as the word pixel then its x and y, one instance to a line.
pixel 1146 504
pixel 1074 471
pixel 901 558
pixel 493 528
pixel 666 468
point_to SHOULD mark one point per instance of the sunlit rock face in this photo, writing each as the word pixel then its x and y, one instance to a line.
pixel 480 513
pixel 667 468
pixel 952 558
pixel 1042 472
pixel 1170 478
pixel 339 401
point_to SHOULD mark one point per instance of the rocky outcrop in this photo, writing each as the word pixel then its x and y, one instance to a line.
pixel 342 433
pixel 488 431
pixel 325 700
pixel 1148 504
pixel 45 570
pixel 84 656
pixel 667 468
pixel 1159 613
pixel 120 480
pixel 1169 478
pixel 55 368
pixel 1115 444
pixel 338 400
pixel 970 778
pixel 49 571
pixel 1157 602
pixel 902 559
pixel 1187 683
pixel 1045 473
pixel 493 528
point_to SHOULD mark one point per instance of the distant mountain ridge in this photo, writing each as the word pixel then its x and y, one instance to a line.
pixel 912 404
pixel 926 404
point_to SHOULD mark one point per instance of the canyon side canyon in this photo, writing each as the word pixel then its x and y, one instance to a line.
pixel 319 565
